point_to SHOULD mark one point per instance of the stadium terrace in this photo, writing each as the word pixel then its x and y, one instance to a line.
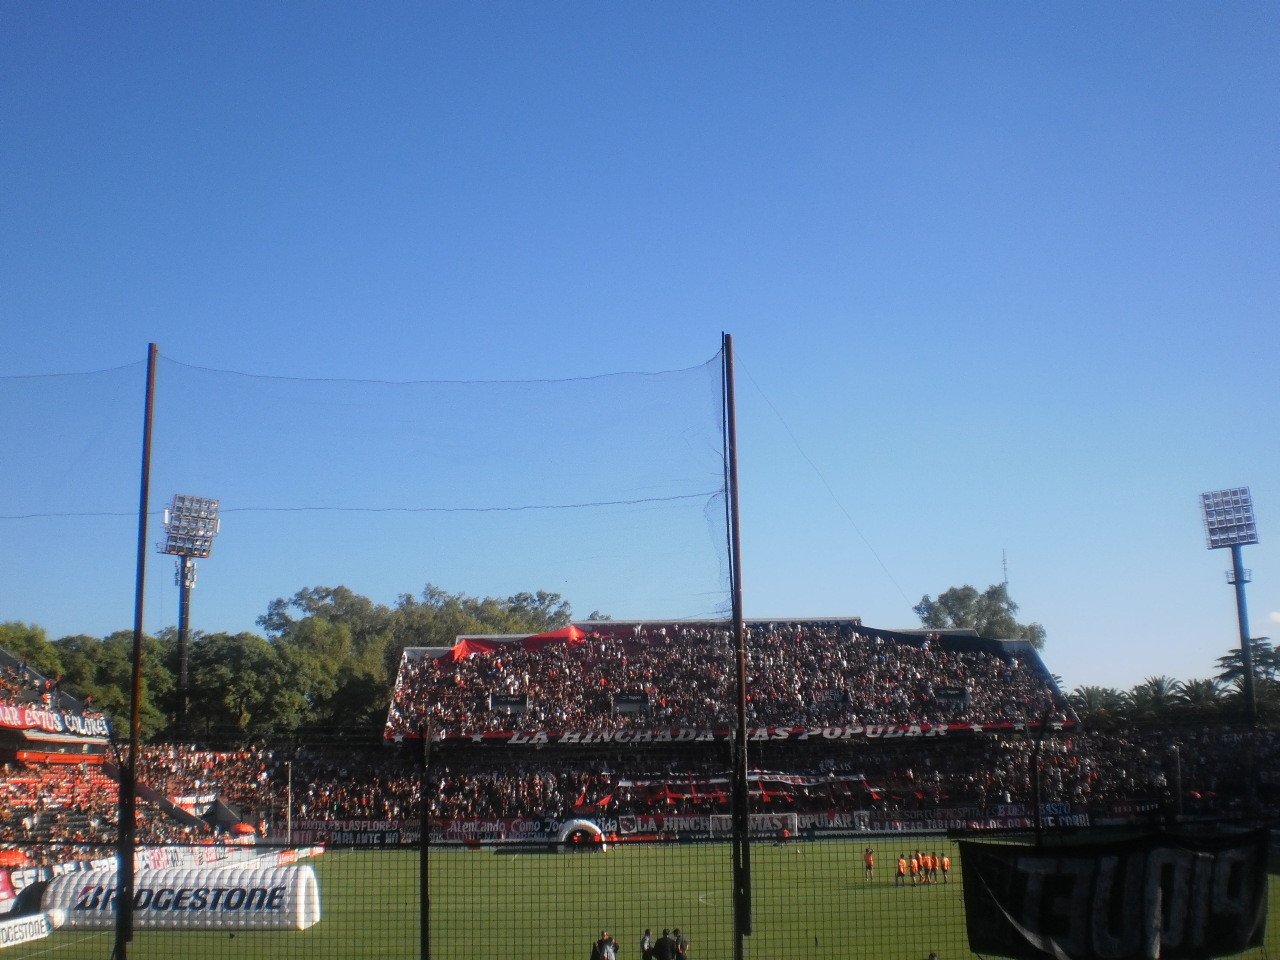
pixel 631 682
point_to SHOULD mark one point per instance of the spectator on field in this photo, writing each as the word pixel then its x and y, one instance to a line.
pixel 605 948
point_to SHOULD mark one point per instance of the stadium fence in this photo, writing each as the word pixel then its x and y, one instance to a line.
pixel 530 885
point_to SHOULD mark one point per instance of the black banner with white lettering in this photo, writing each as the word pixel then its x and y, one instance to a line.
pixel 1158 896
pixel 642 735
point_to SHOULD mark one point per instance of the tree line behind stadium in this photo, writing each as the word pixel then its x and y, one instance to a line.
pixel 1106 769
pixel 329 658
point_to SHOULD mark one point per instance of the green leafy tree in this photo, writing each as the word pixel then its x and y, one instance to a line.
pixel 29 642
pixel 1266 663
pixel 342 651
pixel 540 612
pixel 339 646
pixel 369 624
pixel 320 657
pixel 103 669
pixel 238 687
pixel 438 617
pixel 991 613
pixel 328 659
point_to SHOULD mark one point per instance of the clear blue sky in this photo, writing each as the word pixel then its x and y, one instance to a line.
pixel 1002 277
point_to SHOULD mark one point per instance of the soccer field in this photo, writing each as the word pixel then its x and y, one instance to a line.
pixel 523 902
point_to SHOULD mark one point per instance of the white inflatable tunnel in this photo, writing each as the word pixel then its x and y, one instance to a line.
pixel 573 831
pixel 193 898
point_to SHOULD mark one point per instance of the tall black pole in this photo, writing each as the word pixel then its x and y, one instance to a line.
pixel 127 829
pixel 1037 794
pixel 1238 579
pixel 184 642
pixel 1177 783
pixel 424 849
pixel 741 794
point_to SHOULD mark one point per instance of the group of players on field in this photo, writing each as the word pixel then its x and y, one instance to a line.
pixel 921 867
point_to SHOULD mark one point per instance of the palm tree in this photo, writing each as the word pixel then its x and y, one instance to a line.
pixel 1096 703
pixel 1201 697
pixel 1266 659
pixel 1154 697
pixel 1266 696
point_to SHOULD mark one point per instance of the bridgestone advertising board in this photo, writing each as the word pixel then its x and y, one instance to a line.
pixel 26 929
pixel 232 898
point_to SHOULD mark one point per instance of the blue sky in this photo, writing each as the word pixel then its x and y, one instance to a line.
pixel 1001 276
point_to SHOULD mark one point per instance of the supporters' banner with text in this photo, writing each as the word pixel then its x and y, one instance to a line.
pixel 357 832
pixel 31 717
pixel 1161 896
pixel 852 731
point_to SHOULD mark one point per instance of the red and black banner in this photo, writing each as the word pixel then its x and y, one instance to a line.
pixel 1161 896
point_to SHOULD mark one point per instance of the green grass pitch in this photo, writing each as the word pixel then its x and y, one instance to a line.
pixel 810 899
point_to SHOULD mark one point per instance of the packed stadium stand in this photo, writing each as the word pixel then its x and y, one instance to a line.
pixel 59 782
pixel 611 676
pixel 617 721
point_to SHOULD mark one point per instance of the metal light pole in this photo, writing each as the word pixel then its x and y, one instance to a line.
pixel 190 524
pixel 1229 522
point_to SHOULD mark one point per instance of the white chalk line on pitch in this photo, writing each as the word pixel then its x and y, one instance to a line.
pixel 61 947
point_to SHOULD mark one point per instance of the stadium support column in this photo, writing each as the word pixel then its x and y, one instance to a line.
pixel 741 813
pixel 127 826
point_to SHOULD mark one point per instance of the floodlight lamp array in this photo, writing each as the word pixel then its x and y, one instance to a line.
pixel 196 508
pixel 184 546
pixel 1228 517
pixel 190 525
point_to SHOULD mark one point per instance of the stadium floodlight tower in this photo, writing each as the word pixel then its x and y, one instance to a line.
pixel 190 524
pixel 1229 522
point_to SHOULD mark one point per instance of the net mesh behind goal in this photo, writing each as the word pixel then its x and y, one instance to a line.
pixel 605 490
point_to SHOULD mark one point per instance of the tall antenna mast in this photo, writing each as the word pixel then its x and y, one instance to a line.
pixel 1004 567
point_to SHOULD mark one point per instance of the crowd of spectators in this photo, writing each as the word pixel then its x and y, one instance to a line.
pixel 1089 770
pixel 189 775
pixel 1200 771
pixel 21 686
pixel 58 812
pixel 18 685
pixel 1205 770
pixel 802 673
pixel 69 811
